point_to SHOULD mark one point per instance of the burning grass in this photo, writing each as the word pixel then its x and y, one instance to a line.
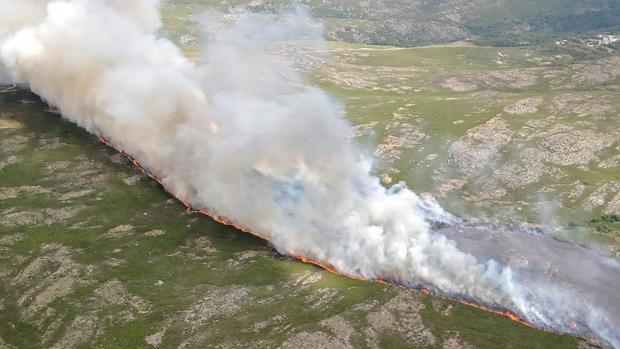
pixel 139 261
pixel 301 258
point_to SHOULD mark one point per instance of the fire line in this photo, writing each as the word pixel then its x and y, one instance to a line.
pixel 298 257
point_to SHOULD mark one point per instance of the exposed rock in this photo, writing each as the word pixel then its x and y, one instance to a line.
pixel 614 205
pixel 194 340
pixel 459 85
pixel 526 169
pixel 574 147
pixel 381 319
pixel 49 277
pixel 154 233
pixel 600 72
pixel 322 298
pixel 11 160
pixel 187 40
pixel 12 217
pixel 313 340
pixel 442 307
pixel 204 244
pixel 515 259
pixel 490 191
pixel 114 292
pixel 10 239
pixel 386 178
pixel 80 332
pixel 610 163
pixel 577 191
pixel 400 137
pixel 54 328
pixel 524 106
pixel 51 143
pixel 304 279
pixel 449 186
pixel 580 104
pixel 515 78
pixel 470 154
pixel 76 194
pixel 14 143
pixel 347 79
pixel 364 129
pixel 81 173
pixel 261 325
pixel 401 315
pixel 114 262
pixel 133 180
pixel 454 342
pixel 12 193
pixel 61 215
pixel 56 167
pixel 248 255
pixel 34 217
pixel 156 338
pixel 119 231
pixel 217 302
pixel 599 196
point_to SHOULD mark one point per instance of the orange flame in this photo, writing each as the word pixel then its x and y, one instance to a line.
pixel 503 313
pixel 301 258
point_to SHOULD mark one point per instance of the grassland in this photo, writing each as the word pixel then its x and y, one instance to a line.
pixel 416 22
pixel 93 254
pixel 507 134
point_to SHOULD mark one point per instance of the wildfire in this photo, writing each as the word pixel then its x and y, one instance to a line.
pixel 301 258
pixel 503 313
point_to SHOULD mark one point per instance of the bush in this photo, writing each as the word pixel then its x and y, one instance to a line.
pixel 607 224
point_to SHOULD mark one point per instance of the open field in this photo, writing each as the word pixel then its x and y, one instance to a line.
pixel 95 254
pixel 497 134
pixel 417 22
pixel 520 135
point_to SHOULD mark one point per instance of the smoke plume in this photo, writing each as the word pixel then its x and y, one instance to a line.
pixel 243 134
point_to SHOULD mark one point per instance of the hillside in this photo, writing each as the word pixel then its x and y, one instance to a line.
pixel 419 22
pixel 506 112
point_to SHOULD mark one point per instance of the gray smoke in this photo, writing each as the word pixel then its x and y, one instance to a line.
pixel 243 134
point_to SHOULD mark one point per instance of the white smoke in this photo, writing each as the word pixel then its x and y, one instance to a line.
pixel 243 134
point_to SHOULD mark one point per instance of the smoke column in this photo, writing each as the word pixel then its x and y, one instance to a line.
pixel 242 134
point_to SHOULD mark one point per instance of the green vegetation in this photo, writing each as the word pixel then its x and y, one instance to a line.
pixel 607 224
pixel 93 254
pixel 474 328
pixel 413 23
pixel 421 87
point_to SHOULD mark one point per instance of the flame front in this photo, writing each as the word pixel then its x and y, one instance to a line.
pixel 299 257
